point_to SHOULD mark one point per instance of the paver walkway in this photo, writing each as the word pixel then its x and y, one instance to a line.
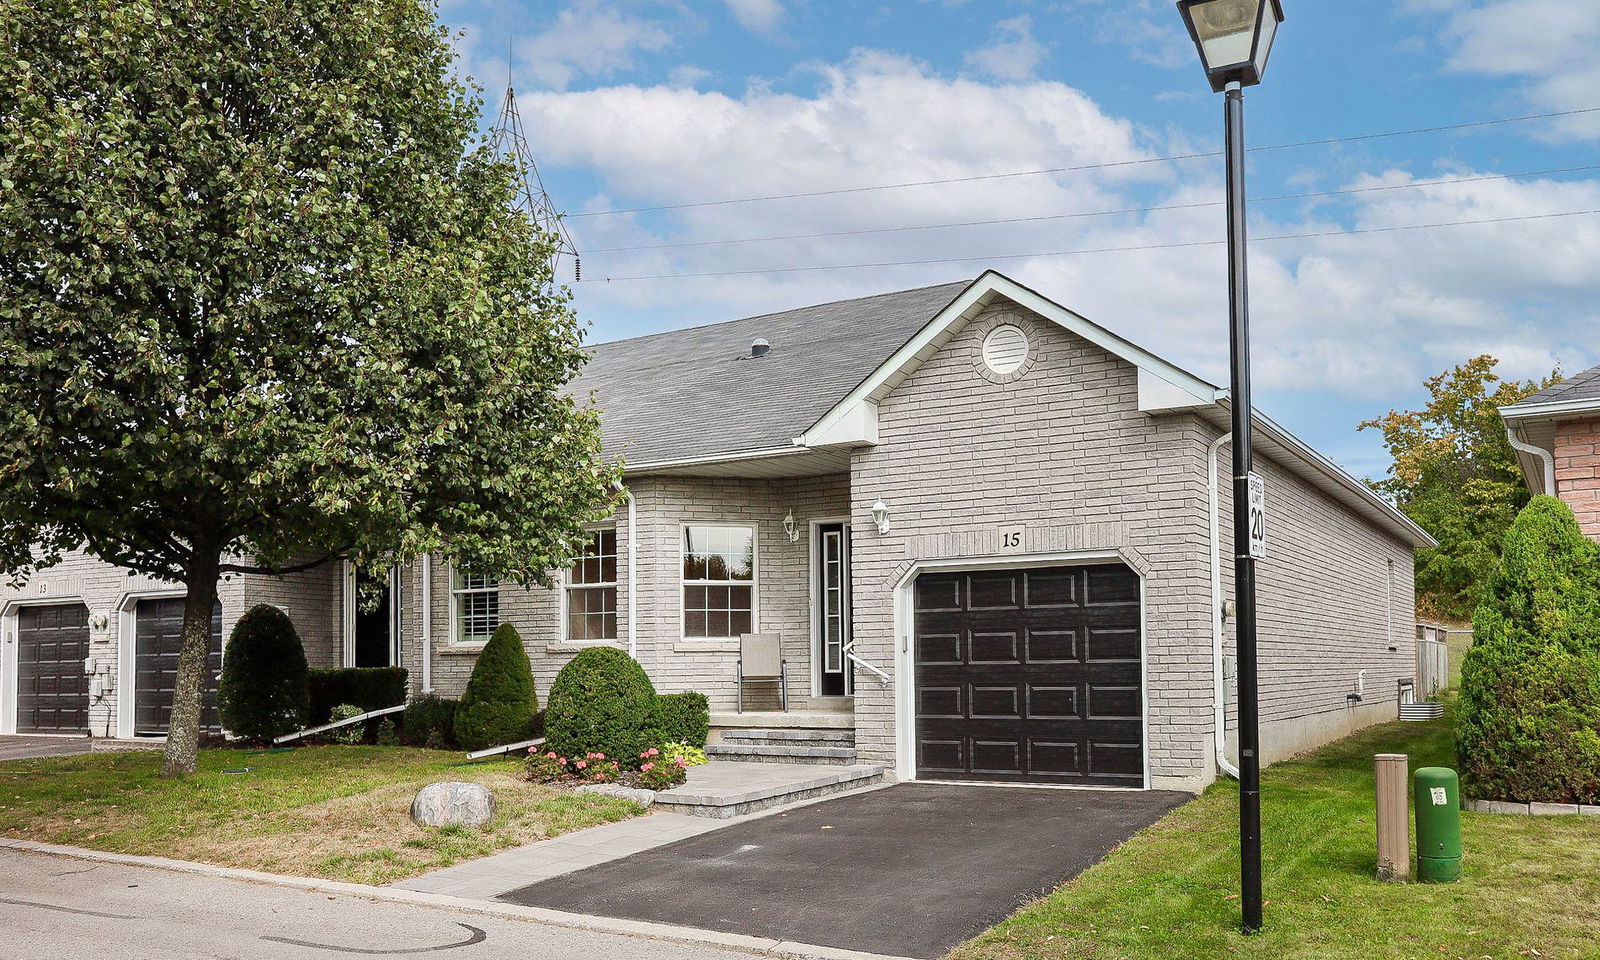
pixel 24 746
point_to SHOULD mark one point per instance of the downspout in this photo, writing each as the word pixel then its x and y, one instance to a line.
pixel 1219 706
pixel 427 623
pixel 633 556
pixel 1543 454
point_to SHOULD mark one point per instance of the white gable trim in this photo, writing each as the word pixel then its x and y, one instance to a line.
pixel 1177 383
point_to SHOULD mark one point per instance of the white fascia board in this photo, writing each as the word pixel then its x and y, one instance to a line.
pixel 964 307
pixel 856 426
pixel 1551 410
pixel 648 466
pixel 1157 395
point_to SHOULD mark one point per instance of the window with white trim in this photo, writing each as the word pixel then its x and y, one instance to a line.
pixel 474 607
pixel 719 580
pixel 592 589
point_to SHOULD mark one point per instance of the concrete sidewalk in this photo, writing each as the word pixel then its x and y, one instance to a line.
pixel 24 746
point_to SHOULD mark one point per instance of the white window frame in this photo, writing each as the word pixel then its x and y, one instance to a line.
pixel 755 577
pixel 565 585
pixel 455 609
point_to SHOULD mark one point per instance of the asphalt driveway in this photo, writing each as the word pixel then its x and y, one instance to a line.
pixel 24 746
pixel 911 870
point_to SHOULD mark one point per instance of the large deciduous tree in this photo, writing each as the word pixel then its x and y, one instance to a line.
pixel 1455 474
pixel 265 302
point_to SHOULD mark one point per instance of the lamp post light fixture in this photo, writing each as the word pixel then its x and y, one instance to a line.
pixel 1234 38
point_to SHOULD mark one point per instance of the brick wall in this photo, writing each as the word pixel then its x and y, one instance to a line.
pixel 1577 452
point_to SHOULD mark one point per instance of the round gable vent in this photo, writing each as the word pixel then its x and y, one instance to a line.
pixel 1005 349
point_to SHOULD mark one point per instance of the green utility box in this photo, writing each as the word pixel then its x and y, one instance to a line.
pixel 1436 793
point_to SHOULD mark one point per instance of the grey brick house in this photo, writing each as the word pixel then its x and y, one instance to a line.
pixel 981 525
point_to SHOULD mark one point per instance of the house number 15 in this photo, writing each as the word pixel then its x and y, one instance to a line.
pixel 1011 537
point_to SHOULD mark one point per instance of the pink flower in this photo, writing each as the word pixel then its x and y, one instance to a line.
pixel 682 762
pixel 552 755
pixel 647 767
pixel 582 764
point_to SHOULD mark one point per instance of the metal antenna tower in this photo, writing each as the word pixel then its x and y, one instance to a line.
pixel 507 139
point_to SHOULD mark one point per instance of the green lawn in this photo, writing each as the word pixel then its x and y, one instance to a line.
pixel 337 812
pixel 1532 885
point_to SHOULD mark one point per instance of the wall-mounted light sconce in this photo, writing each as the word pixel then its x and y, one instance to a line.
pixel 880 516
pixel 791 527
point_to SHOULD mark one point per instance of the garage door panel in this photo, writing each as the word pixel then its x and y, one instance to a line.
pixel 1110 585
pixel 1001 703
pixel 993 647
pixel 1054 588
pixel 1051 646
pixel 1046 693
pixel 1055 702
pixel 936 593
pixel 938 648
pixel 997 756
pixel 52 687
pixel 991 591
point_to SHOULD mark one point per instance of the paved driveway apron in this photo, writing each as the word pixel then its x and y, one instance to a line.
pixel 908 871
pixel 23 747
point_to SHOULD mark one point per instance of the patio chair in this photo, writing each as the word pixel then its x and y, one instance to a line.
pixel 761 661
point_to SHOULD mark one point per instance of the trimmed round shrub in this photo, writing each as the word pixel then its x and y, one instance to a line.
pixel 499 704
pixel 1528 723
pixel 263 691
pixel 601 702
pixel 681 718
pixel 430 721
pixel 352 733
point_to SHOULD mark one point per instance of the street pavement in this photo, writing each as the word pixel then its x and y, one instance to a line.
pixel 60 908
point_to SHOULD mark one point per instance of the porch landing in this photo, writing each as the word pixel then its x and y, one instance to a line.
pixel 779 719
pixel 731 788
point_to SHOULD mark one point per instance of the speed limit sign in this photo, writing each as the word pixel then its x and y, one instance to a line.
pixel 1258 517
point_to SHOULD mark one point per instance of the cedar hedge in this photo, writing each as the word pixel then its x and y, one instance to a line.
pixel 1528 723
pixel 264 690
pixel 500 703
pixel 370 688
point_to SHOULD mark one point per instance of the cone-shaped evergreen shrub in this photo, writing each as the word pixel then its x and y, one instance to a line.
pixel 1528 725
pixel 601 702
pixel 499 704
pixel 263 691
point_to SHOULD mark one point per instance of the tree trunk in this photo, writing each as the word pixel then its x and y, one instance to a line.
pixel 183 730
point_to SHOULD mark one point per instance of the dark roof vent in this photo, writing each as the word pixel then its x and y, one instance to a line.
pixel 759 347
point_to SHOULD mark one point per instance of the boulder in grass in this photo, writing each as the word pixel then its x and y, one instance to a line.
pixel 453 804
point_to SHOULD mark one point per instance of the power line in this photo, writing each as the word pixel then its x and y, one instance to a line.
pixel 1094 213
pixel 1078 252
pixel 1081 167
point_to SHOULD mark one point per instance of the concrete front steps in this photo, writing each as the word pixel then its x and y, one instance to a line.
pixel 727 788
pixel 786 745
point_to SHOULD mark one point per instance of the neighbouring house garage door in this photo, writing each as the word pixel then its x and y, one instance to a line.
pixel 52 688
pixel 1030 676
pixel 158 633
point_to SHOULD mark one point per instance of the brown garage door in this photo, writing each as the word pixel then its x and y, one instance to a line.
pixel 158 626
pixel 52 689
pixel 1030 676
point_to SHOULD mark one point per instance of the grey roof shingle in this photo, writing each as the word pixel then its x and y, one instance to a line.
pixel 697 392
pixel 1580 386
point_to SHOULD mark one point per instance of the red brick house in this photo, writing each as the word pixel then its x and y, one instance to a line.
pixel 1556 433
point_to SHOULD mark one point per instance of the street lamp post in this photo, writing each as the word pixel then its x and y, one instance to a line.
pixel 1234 38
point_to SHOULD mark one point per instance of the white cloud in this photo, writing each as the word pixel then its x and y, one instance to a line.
pixel 1013 53
pixel 1551 44
pixel 1367 316
pixel 589 38
pixel 761 16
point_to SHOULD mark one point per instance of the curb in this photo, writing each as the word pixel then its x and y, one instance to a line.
pixel 1532 809
pixel 764 946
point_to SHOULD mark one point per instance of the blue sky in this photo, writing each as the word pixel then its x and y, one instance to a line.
pixel 647 103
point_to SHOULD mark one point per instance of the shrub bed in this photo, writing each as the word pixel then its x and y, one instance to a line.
pixel 430 721
pixel 370 688
pixel 1528 725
